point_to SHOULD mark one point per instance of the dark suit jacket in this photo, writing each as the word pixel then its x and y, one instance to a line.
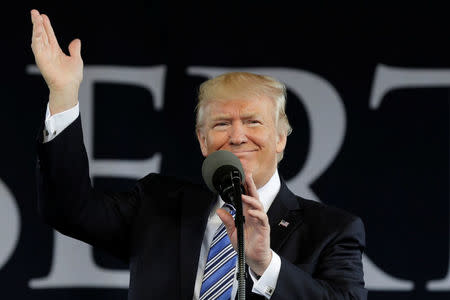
pixel 158 228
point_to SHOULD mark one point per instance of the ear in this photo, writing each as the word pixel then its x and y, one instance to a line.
pixel 202 141
pixel 281 142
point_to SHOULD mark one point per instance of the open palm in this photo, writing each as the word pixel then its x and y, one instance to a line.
pixel 62 73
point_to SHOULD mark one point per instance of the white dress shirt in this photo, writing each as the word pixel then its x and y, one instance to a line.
pixel 265 285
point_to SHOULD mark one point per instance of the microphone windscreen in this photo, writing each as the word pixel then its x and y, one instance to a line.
pixel 216 160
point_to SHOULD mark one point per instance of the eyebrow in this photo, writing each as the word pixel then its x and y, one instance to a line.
pixel 248 115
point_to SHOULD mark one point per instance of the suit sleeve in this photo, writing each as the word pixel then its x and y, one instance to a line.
pixel 337 275
pixel 67 201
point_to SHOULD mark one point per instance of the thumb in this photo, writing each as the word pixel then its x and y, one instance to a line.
pixel 75 48
pixel 227 220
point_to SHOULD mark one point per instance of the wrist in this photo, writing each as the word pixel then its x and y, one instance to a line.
pixel 63 100
pixel 261 267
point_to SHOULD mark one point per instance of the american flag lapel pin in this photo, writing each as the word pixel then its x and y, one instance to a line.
pixel 283 223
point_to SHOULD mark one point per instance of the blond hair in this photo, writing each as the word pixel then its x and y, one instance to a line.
pixel 244 85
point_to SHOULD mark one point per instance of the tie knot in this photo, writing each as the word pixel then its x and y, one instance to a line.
pixel 230 208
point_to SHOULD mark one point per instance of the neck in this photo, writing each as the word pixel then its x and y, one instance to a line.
pixel 262 180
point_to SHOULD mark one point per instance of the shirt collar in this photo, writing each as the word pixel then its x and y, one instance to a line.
pixel 269 191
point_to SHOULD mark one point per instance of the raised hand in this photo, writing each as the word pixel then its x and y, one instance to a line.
pixel 256 229
pixel 62 73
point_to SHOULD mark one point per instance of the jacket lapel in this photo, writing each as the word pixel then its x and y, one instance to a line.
pixel 194 216
pixel 285 215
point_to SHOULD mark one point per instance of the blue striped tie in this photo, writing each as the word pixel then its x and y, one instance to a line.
pixel 218 276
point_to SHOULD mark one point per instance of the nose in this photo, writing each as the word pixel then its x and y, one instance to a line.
pixel 237 134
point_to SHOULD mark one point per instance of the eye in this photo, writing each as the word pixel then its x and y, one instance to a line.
pixel 253 122
pixel 220 124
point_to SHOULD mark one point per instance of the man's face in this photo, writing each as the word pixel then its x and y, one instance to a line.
pixel 247 128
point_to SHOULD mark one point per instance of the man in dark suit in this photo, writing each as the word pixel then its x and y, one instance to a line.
pixel 169 230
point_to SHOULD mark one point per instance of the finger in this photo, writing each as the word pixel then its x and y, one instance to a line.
pixel 227 220
pixel 75 48
pixel 34 12
pixel 251 187
pixel 36 38
pixel 39 37
pixel 260 216
pixel 252 202
pixel 49 31
pixel 40 22
pixel 34 20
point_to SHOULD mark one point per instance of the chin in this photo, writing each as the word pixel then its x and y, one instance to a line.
pixel 247 167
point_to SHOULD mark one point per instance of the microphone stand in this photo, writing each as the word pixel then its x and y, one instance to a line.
pixel 236 199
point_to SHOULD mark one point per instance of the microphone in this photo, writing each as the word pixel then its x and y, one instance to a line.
pixel 223 173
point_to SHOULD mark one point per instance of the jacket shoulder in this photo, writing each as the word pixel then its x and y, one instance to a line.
pixel 327 216
pixel 171 185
